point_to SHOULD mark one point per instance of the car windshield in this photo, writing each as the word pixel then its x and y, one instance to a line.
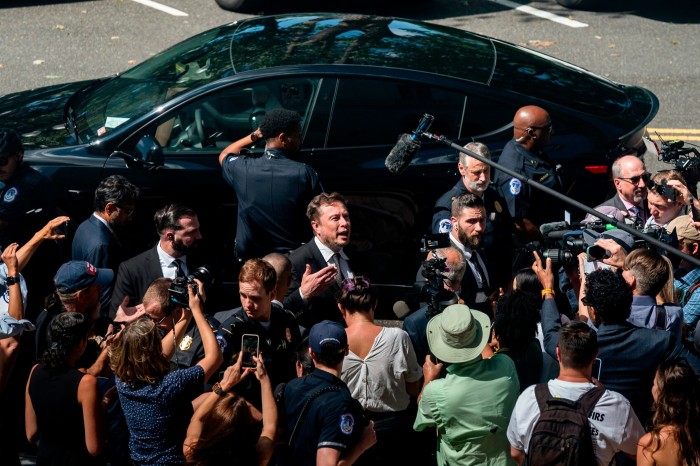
pixel 265 42
pixel 190 64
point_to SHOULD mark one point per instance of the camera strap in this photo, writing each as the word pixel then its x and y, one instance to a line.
pixel 660 317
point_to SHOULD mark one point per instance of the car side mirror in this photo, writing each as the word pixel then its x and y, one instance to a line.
pixel 150 152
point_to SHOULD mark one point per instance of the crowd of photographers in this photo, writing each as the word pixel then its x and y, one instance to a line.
pixel 129 362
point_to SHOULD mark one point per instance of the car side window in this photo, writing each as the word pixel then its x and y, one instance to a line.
pixel 377 111
pixel 484 116
pixel 211 123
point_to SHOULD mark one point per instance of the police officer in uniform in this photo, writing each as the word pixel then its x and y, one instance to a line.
pixel 530 207
pixel 273 190
pixel 27 203
pixel 324 423
pixel 276 328
pixel 498 237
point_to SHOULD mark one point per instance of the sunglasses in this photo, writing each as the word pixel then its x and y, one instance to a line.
pixel 636 179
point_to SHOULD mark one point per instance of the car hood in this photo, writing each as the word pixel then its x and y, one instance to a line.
pixel 37 114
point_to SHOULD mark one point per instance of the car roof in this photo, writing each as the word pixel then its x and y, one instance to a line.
pixel 326 38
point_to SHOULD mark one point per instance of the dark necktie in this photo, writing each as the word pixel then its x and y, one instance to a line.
pixel 178 265
pixel 335 260
pixel 483 282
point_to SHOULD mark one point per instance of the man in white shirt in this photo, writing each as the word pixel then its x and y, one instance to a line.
pixel 178 228
pixel 613 424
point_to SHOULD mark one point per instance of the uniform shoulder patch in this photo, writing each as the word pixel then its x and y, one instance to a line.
pixel 514 186
pixel 347 423
pixel 222 342
pixel 10 195
pixel 445 226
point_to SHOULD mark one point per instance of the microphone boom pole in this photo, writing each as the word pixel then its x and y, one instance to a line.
pixel 614 222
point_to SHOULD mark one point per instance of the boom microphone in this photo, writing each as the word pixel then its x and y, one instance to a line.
pixel 407 146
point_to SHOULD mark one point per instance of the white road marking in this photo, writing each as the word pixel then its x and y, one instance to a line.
pixel 541 14
pixel 163 8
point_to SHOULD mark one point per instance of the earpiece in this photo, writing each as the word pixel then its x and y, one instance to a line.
pixel 530 132
pixel 171 237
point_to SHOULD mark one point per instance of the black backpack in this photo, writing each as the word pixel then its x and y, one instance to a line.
pixel 562 435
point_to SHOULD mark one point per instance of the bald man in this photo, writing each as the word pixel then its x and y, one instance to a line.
pixel 532 130
pixel 630 178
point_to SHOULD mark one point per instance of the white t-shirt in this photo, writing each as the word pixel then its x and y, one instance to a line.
pixel 614 426
pixel 379 381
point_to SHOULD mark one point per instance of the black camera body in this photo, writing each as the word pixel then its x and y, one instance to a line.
pixel 664 189
pixel 434 292
pixel 179 296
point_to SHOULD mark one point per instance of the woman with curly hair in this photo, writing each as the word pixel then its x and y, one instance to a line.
pixel 674 439
pixel 157 402
pixel 63 410
pixel 380 370
pixel 223 430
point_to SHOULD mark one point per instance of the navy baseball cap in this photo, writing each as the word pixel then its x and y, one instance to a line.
pixel 329 334
pixel 77 275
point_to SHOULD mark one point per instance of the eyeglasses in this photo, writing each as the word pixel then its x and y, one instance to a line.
pixel 636 179
pixel 158 322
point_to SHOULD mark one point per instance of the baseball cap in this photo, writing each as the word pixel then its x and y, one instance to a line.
pixel 77 275
pixel 328 337
pixel 624 239
pixel 685 228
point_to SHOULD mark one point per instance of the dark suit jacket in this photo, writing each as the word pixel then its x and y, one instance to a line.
pixel 616 202
pixel 320 307
pixel 133 278
pixel 94 243
pixel 629 356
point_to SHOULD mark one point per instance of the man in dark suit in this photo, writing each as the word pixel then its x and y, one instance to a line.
pixel 468 228
pixel 320 266
pixel 630 178
pixel 178 229
pixel 95 240
pixel 629 355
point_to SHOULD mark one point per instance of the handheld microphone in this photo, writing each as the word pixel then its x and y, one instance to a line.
pixel 407 146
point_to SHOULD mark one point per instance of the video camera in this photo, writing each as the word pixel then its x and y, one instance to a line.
pixel 561 243
pixel 179 295
pixel 685 159
pixel 434 292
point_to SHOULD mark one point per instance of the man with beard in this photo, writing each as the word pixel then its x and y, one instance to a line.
pixel 273 190
pixel 468 227
pixel 95 240
pixel 320 266
pixel 498 237
pixel 178 228
pixel 630 178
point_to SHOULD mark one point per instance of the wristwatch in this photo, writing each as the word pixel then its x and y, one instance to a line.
pixel 12 280
pixel 217 389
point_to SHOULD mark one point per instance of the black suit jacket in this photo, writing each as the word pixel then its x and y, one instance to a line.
pixel 617 203
pixel 133 278
pixel 320 307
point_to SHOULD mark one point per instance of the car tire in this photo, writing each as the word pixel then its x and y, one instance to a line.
pixel 241 6
pixel 577 4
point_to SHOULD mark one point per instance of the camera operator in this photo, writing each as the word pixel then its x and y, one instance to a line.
pixel 668 198
pixel 415 324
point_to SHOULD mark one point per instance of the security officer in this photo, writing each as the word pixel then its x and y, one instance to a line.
pixel 323 421
pixel 530 207
pixel 272 190
pixel 498 237
pixel 277 329
pixel 27 203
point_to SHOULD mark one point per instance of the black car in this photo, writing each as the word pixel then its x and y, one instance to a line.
pixel 358 82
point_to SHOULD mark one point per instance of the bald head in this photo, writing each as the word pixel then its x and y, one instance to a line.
pixel 456 265
pixel 283 268
pixel 627 172
pixel 532 127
